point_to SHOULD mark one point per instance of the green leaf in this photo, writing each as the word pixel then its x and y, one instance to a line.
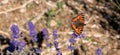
pixel 59 23
pixel 89 39
pixel 50 13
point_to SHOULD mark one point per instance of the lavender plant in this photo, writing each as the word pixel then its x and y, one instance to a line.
pixel 72 40
pixel 14 43
pixel 55 37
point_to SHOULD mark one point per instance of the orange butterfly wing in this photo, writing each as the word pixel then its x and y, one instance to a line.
pixel 78 24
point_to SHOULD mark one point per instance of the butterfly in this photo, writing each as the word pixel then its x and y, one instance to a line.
pixel 78 23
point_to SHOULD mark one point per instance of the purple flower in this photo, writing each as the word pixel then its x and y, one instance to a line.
pixel 38 50
pixel 34 38
pixel 72 40
pixel 15 31
pixel 31 27
pixel 49 45
pixel 15 42
pixel 56 44
pixel 71 47
pixel 21 46
pixel 20 49
pixel 82 35
pixel 59 52
pixel 55 34
pixel 74 35
pixel 98 51
pixel 11 47
pixel 33 33
pixel 45 32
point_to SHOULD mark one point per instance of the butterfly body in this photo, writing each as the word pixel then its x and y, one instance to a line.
pixel 78 24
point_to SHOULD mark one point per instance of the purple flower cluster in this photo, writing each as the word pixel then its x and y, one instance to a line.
pixel 15 43
pixel 73 40
pixel 56 44
pixel 55 36
pixel 74 35
pixel 45 32
pixel 98 51
pixel 49 45
pixel 33 33
pixel 70 47
pixel 38 50
pixel 15 31
pixel 22 44
pixel 46 36
pixel 59 52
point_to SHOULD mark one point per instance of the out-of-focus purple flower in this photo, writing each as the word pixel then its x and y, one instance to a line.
pixel 56 44
pixel 38 50
pixel 20 49
pixel 49 45
pixel 15 31
pixel 82 35
pixel 34 38
pixel 72 40
pixel 33 33
pixel 59 52
pixel 45 32
pixel 98 51
pixel 11 47
pixel 75 35
pixel 15 42
pixel 55 34
pixel 31 27
pixel 70 47
pixel 21 46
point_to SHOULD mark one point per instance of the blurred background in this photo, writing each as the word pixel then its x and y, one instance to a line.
pixel 102 19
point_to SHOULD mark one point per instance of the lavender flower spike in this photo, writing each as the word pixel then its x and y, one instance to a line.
pixel 71 47
pixel 45 32
pixel 15 31
pixel 21 46
pixel 72 40
pixel 31 27
pixel 55 34
pixel 98 51
pixel 56 44
pixel 82 35
pixel 59 52
pixel 33 33
pixel 74 35
pixel 38 50
pixel 15 42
